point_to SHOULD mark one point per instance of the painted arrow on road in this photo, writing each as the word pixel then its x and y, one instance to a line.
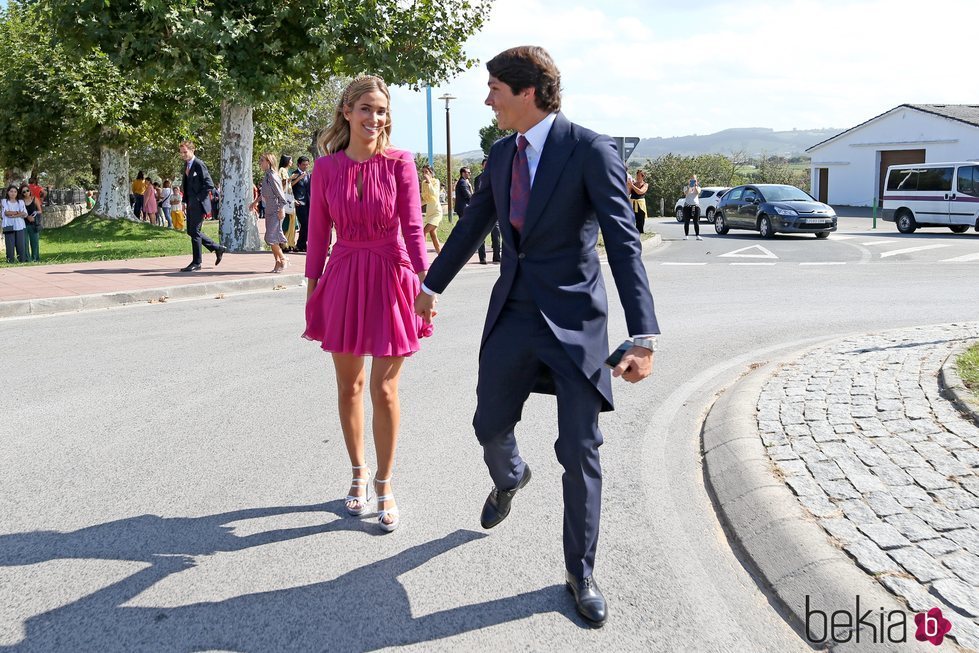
pixel 739 253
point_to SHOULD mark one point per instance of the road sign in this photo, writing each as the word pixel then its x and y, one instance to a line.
pixel 626 146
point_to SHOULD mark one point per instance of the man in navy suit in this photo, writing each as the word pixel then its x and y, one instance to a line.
pixel 554 185
pixel 197 186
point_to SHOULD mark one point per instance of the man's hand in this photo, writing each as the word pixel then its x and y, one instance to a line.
pixel 636 364
pixel 425 306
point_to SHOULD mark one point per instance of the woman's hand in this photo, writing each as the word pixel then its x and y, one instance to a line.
pixel 282 214
pixel 310 287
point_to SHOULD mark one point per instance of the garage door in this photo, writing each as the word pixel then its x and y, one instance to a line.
pixel 893 158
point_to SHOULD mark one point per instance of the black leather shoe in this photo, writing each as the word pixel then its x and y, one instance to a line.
pixel 497 505
pixel 193 267
pixel 219 254
pixel 482 261
pixel 588 599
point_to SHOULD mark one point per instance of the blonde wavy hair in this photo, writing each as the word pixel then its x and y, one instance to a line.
pixel 271 159
pixel 336 137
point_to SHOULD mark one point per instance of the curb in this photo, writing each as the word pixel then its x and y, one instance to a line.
pixel 953 389
pixel 789 554
pixel 55 305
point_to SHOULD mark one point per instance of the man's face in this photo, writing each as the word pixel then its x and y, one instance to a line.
pixel 186 153
pixel 304 165
pixel 511 109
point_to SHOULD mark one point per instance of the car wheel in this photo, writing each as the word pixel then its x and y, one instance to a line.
pixel 710 215
pixel 720 224
pixel 822 234
pixel 905 222
pixel 765 227
pixel 679 215
pixel 959 228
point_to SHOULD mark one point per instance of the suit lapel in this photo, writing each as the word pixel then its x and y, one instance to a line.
pixel 557 149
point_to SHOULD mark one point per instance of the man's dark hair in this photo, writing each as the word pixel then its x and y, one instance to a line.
pixel 529 66
pixel 463 169
pixel 302 160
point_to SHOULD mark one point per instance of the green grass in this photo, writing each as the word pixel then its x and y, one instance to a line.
pixel 88 238
pixel 968 368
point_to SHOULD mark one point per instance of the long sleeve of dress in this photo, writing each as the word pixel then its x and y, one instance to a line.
pixel 409 212
pixel 320 222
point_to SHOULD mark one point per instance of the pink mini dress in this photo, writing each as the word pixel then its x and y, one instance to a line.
pixel 363 303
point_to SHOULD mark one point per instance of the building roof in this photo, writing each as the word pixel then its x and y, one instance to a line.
pixel 966 113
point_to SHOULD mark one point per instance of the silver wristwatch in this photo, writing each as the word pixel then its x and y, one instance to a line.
pixel 646 343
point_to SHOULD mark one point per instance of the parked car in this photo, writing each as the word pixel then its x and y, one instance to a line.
pixel 709 197
pixel 774 208
pixel 932 195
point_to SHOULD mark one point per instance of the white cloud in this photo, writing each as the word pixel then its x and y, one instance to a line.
pixel 639 69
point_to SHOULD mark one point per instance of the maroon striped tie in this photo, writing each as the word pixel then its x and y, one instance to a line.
pixel 519 185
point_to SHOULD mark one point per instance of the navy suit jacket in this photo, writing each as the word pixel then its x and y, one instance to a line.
pixel 579 188
pixel 197 187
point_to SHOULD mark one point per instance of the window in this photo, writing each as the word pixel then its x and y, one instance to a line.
pixel 968 180
pixel 935 179
pixel 786 194
pixel 750 194
pixel 903 180
pixel 706 194
pixel 734 195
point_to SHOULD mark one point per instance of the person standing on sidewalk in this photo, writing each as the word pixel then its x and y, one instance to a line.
pixel 556 184
pixel 637 194
pixel 691 208
pixel 165 195
pixel 464 192
pixel 197 186
pixel 495 232
pixel 273 203
pixel 13 213
pixel 431 205
pixel 300 191
pixel 32 223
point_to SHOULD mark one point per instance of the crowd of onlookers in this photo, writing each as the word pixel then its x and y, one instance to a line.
pixel 159 202
pixel 21 211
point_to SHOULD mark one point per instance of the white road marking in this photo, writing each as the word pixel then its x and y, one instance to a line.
pixel 823 263
pixel 752 263
pixel 961 259
pixel 878 242
pixel 670 263
pixel 908 250
pixel 738 252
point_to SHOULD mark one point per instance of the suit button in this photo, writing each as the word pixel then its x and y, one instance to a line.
pixel 521 255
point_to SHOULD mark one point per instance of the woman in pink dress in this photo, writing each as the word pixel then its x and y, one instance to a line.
pixel 362 303
pixel 149 202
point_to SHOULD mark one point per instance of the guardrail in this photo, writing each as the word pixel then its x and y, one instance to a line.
pixel 61 196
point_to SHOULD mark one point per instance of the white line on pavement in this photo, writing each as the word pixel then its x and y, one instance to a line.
pixel 740 253
pixel 753 263
pixel 878 242
pixel 908 250
pixel 823 263
pixel 961 259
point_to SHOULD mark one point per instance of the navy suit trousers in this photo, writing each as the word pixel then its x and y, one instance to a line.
pixel 520 351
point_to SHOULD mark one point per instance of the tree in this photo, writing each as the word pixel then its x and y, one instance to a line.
pixel 490 134
pixel 250 53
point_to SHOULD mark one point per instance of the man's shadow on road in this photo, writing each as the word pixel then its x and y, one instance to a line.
pixel 362 610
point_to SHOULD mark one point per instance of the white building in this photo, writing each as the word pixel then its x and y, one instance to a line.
pixel 849 168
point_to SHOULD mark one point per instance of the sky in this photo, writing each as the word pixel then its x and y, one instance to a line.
pixel 660 69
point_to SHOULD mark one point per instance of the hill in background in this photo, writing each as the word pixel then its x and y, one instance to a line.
pixel 753 141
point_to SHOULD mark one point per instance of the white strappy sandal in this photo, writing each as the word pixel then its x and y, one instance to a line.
pixel 365 500
pixel 392 513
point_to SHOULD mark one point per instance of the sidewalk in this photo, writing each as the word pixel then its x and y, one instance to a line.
pixel 46 289
pixel 881 463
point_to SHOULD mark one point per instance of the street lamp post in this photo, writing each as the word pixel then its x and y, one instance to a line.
pixel 448 153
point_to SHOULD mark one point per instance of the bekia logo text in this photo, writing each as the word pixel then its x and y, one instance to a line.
pixel 873 626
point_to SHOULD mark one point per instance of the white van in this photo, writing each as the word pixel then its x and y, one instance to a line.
pixel 932 195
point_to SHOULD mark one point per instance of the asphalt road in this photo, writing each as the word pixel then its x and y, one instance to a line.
pixel 172 474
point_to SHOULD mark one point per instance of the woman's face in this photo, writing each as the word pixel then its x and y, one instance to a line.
pixel 264 164
pixel 25 192
pixel 367 117
pixel 427 173
pixel 11 193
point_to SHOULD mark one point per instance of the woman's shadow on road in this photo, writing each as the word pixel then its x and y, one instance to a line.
pixel 362 610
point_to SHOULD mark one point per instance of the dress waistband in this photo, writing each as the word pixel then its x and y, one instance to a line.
pixel 368 244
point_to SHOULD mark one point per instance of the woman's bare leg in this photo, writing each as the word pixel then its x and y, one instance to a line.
pixel 432 231
pixel 385 373
pixel 351 379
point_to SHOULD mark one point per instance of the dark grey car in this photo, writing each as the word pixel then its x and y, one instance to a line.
pixel 774 208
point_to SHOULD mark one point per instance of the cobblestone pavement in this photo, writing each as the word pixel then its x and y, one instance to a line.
pixel 886 465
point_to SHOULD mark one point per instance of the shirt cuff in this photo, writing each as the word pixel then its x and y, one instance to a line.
pixel 428 291
pixel 644 335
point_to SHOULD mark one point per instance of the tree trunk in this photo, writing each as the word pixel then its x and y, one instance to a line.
pixel 113 201
pixel 239 229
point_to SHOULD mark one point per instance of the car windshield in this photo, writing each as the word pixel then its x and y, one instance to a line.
pixel 785 194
